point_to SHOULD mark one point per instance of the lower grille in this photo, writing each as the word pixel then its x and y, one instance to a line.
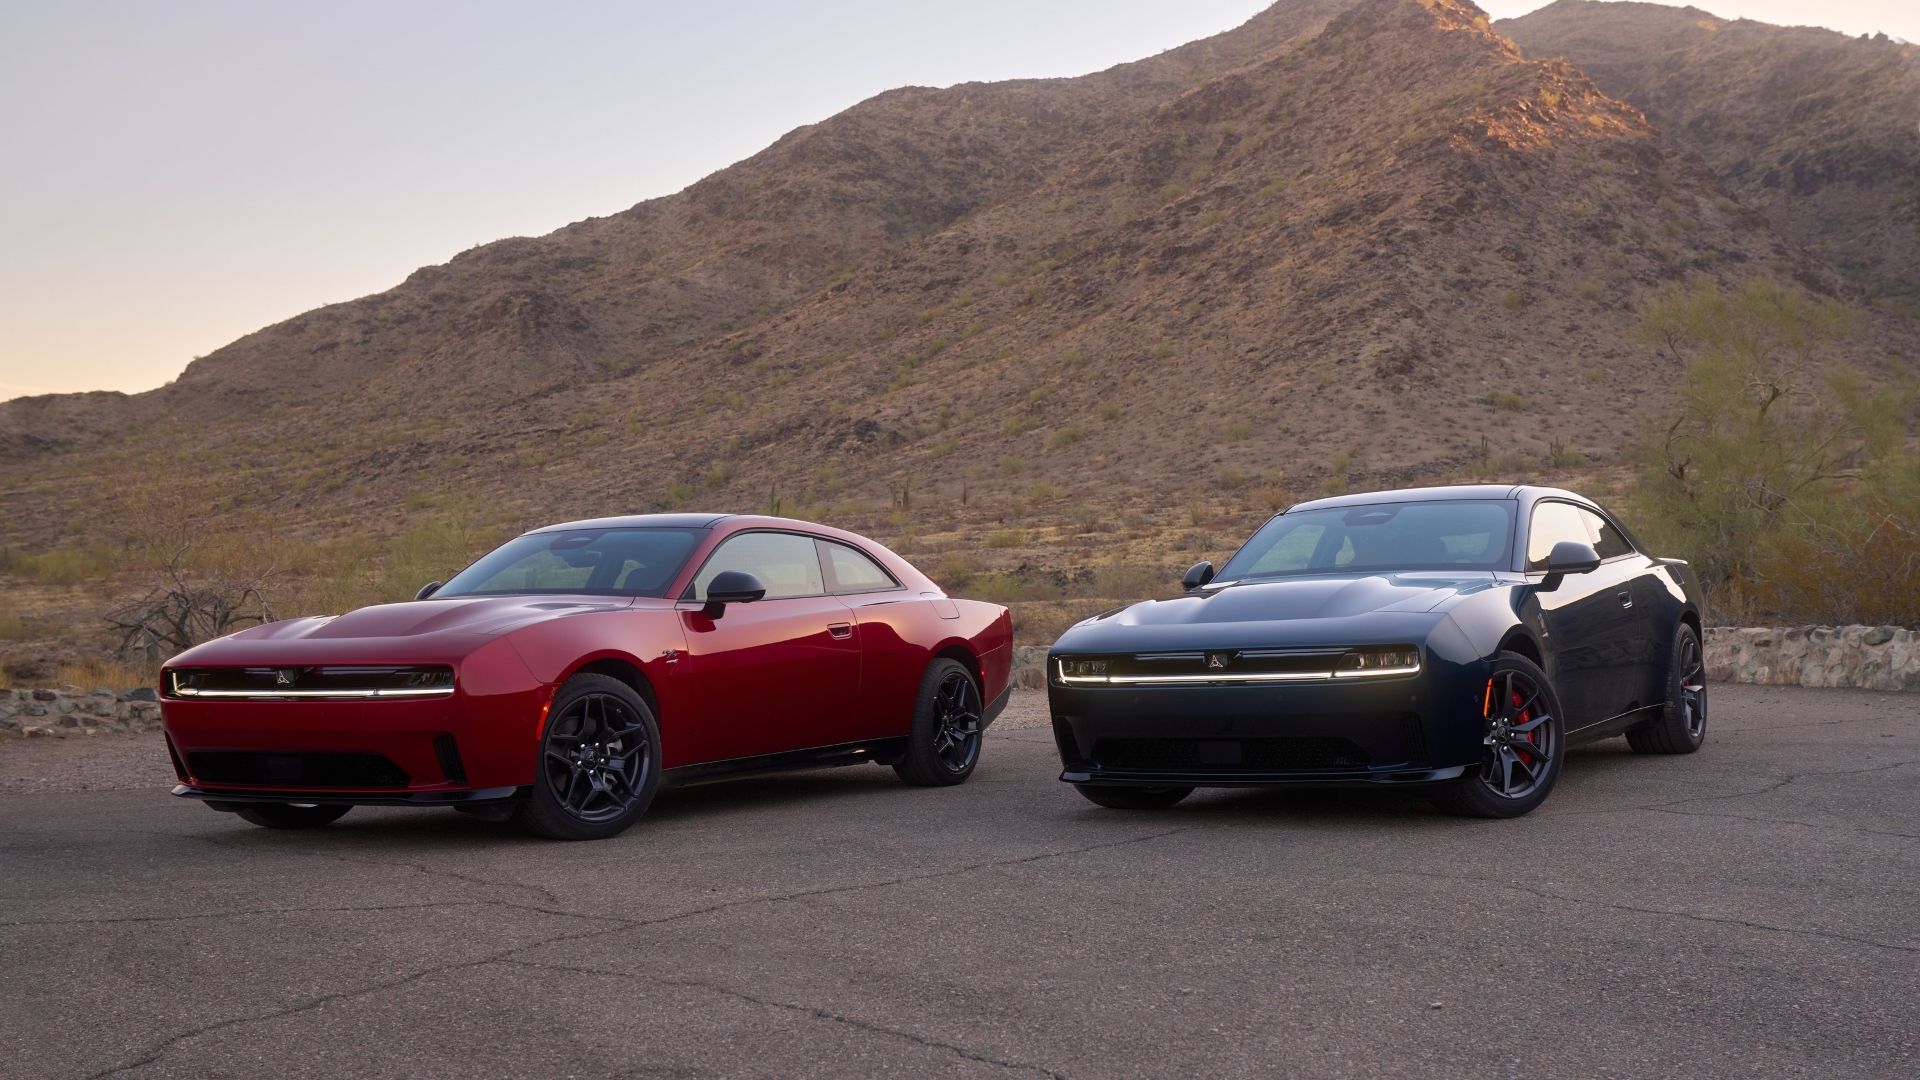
pixel 447 749
pixel 1230 755
pixel 315 770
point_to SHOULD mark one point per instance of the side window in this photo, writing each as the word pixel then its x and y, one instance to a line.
pixel 1552 523
pixel 785 563
pixel 853 571
pixel 1607 540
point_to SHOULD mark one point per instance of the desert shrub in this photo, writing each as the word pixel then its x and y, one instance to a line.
pixel 1506 400
pixel 1791 487
pixel 12 627
pixel 1006 538
pixel 1066 436
pixel 1128 581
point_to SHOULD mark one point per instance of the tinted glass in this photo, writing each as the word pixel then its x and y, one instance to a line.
pixel 1553 522
pixel 785 563
pixel 853 571
pixel 1608 540
pixel 1384 536
pixel 601 562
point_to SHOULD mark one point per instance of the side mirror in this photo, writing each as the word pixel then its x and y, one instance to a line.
pixel 1197 576
pixel 1569 557
pixel 427 590
pixel 731 587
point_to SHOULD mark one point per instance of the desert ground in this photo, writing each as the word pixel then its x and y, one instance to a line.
pixel 1749 910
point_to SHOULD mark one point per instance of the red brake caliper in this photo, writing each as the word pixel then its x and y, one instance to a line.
pixel 1525 758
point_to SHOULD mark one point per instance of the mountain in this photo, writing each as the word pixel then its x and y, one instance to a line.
pixel 1814 129
pixel 1038 327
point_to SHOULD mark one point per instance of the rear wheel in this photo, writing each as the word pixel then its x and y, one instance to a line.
pixel 1522 740
pixel 1132 798
pixel 599 762
pixel 291 815
pixel 944 745
pixel 1682 724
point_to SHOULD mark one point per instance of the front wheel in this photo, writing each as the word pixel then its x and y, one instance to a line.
pixel 290 815
pixel 1132 798
pixel 599 762
pixel 944 744
pixel 1682 724
pixel 1522 741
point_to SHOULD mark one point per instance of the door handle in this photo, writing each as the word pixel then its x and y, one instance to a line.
pixel 840 631
pixel 1625 598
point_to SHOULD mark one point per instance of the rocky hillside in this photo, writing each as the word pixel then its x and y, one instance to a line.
pixel 1026 331
pixel 1814 129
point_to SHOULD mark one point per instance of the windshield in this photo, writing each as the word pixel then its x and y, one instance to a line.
pixel 599 562
pixel 1451 535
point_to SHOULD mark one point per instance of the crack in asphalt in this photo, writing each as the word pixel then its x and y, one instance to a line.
pixel 1773 784
pixel 806 1010
pixel 111 920
pixel 1726 920
pixel 1785 821
pixel 161 1048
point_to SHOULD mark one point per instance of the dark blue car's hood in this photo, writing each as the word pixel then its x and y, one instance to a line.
pixel 1307 610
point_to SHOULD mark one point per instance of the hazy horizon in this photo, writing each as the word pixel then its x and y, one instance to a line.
pixel 197 172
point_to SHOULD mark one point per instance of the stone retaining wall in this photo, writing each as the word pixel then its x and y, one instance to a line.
pixel 1862 657
pixel 72 711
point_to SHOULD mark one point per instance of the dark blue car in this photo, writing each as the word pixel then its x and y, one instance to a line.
pixel 1457 638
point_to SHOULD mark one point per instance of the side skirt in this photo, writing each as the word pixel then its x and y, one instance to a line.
pixel 1607 729
pixel 884 751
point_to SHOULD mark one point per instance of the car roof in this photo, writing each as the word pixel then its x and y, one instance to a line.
pixel 1446 493
pixel 639 521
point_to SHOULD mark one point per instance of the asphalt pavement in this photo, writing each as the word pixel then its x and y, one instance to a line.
pixel 1751 910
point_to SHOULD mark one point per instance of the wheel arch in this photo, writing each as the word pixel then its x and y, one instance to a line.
pixel 622 668
pixel 1519 641
pixel 959 652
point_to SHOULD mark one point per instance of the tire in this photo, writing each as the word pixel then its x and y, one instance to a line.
pixel 1682 724
pixel 598 763
pixel 1509 782
pixel 1132 798
pixel 943 745
pixel 290 815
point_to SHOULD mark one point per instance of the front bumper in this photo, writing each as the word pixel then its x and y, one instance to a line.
pixel 1419 729
pixel 446 751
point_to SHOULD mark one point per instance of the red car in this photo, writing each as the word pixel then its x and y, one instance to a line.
pixel 561 678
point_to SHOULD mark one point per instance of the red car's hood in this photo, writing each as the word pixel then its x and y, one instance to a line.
pixel 457 615
pixel 412 631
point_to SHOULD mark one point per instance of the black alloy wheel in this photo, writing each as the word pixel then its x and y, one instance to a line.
pixel 1521 740
pixel 599 762
pixel 948 726
pixel 1682 724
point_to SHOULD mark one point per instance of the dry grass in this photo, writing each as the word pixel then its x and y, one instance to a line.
pixel 103 675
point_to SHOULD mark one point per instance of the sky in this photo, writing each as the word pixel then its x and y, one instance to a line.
pixel 179 174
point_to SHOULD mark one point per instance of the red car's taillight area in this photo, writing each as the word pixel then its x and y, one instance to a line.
pixel 335 682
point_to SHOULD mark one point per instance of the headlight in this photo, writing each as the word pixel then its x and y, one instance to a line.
pixel 1368 663
pixel 1083 671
